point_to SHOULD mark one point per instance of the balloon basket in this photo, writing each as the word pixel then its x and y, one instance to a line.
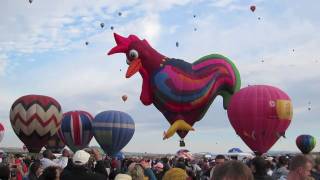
pixel 182 143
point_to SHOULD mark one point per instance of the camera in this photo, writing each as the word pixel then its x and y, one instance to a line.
pixel 13 173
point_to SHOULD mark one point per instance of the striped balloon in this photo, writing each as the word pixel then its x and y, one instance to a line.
pixel 76 129
pixel 113 130
pixel 34 119
pixel 305 143
pixel 1 132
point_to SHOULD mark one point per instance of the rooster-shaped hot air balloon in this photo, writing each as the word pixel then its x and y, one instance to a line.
pixel 182 91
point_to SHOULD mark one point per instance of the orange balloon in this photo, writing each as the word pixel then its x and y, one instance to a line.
pixel 124 98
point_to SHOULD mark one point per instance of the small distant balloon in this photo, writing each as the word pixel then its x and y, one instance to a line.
pixel 253 8
pixel 101 25
pixel 177 44
pixel 194 16
pixel 259 18
pixel 309 106
pixel 87 43
pixel 195 29
pixel 111 27
pixel 124 98
pixel 292 50
pixel 30 1
pixel 119 13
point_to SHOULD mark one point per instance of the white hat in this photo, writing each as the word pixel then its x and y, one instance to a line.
pixel 123 177
pixel 80 157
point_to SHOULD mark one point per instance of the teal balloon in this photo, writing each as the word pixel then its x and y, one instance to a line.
pixel 113 130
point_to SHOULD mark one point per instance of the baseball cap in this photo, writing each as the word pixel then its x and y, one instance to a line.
pixel 80 157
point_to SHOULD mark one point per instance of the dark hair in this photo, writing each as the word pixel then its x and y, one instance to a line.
pixel 4 172
pixel 232 170
pixel 46 153
pixel 283 160
pixel 33 170
pixel 49 173
pixel 260 165
pixel 220 156
pixel 299 161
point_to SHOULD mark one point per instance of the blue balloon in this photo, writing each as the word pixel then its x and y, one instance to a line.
pixel 113 130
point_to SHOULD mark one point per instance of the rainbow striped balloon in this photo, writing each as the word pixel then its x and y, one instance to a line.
pixel 305 143
pixel 76 129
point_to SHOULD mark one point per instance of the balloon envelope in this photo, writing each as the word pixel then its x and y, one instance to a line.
pixel 305 143
pixel 252 8
pixel 113 130
pixel 124 98
pixel 260 115
pixel 34 119
pixel 1 132
pixel 76 129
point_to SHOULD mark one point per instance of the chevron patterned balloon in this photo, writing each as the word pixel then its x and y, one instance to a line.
pixel 34 119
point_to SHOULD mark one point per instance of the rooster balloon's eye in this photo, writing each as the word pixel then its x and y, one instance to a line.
pixel 133 54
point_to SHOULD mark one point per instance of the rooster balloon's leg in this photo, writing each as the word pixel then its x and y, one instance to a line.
pixel 177 125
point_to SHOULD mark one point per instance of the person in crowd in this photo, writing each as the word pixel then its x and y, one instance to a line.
pixel 49 160
pixel 259 169
pixel 141 171
pixel 158 170
pixel 80 169
pixel 282 171
pixel 175 174
pixel 35 170
pixel 300 168
pixel 219 160
pixel 4 172
pixel 51 173
pixel 316 170
pixel 233 170
pixel 123 177
pixel 17 167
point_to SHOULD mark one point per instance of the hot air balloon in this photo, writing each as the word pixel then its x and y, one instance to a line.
pixel 260 115
pixel 1 132
pixel 124 98
pixel 55 144
pixel 112 28
pixel 113 130
pixel 30 1
pixel 34 119
pixel 177 44
pixel 181 91
pixel 101 25
pixel 87 43
pixel 253 8
pixel 305 143
pixel 76 129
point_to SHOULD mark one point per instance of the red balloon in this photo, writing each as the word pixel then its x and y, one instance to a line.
pixel 253 8
pixel 260 115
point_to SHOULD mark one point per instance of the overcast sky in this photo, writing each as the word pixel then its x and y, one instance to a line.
pixel 43 51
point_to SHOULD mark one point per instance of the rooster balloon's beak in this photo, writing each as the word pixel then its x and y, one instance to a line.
pixel 134 67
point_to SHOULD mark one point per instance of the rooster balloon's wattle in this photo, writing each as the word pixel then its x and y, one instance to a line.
pixel 181 91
